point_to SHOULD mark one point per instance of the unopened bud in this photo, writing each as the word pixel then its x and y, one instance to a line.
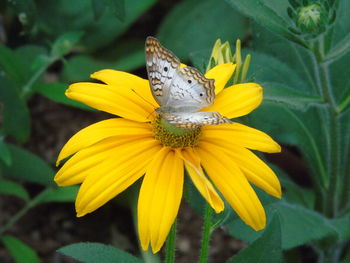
pixel 312 19
pixel 220 54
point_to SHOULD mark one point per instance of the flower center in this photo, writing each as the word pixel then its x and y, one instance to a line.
pixel 170 135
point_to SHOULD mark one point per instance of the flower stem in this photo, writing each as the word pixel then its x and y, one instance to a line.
pixel 207 229
pixel 36 200
pixel 171 245
pixel 26 88
pixel 331 199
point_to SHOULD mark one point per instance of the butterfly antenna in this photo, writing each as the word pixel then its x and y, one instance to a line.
pixel 145 101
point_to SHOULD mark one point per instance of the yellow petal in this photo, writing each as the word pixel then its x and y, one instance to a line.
pixel 256 171
pixel 237 100
pixel 102 130
pixel 240 135
pixel 76 169
pixel 112 176
pixel 204 186
pixel 221 74
pixel 125 103
pixel 123 80
pixel 231 182
pixel 160 198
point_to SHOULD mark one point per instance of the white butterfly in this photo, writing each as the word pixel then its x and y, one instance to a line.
pixel 180 91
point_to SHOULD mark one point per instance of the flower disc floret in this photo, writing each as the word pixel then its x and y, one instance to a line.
pixel 172 136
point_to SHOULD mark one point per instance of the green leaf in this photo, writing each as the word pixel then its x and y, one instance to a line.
pixel 295 61
pixel 214 19
pixel 96 252
pixel 28 167
pixel 61 194
pixel 56 92
pixel 11 188
pixel 277 71
pixel 282 94
pixel 118 8
pixel 79 15
pixel 33 63
pixel 339 50
pixel 108 27
pixel 309 134
pixel 342 23
pixel 5 154
pixel 339 35
pixel 338 68
pixel 295 219
pixel 342 226
pixel 21 65
pixel 19 251
pixel 200 59
pixel 266 249
pixel 64 44
pixel 31 58
pixel 16 119
pixel 131 61
pixel 267 17
pixel 79 68
pixel 340 81
pixel 10 64
pixel 98 7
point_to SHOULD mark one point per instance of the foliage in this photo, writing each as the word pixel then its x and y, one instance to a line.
pixel 301 60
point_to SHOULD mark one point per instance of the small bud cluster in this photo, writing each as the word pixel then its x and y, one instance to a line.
pixel 311 17
pixel 222 54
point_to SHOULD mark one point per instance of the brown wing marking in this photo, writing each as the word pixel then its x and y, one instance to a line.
pixel 208 84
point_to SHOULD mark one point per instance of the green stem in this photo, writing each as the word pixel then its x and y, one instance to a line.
pixel 28 86
pixel 171 245
pixel 36 200
pixel 207 229
pixel 331 200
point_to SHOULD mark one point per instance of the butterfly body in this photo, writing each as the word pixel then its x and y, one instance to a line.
pixel 180 91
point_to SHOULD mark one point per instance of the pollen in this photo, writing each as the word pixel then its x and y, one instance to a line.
pixel 172 136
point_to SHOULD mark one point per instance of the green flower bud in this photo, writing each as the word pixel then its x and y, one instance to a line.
pixel 221 54
pixel 312 19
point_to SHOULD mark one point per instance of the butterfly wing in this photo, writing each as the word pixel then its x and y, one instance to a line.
pixel 190 91
pixel 162 66
pixel 195 119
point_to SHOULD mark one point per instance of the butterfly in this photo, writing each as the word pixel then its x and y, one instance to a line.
pixel 180 91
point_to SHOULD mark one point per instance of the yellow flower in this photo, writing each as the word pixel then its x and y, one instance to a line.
pixel 111 155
